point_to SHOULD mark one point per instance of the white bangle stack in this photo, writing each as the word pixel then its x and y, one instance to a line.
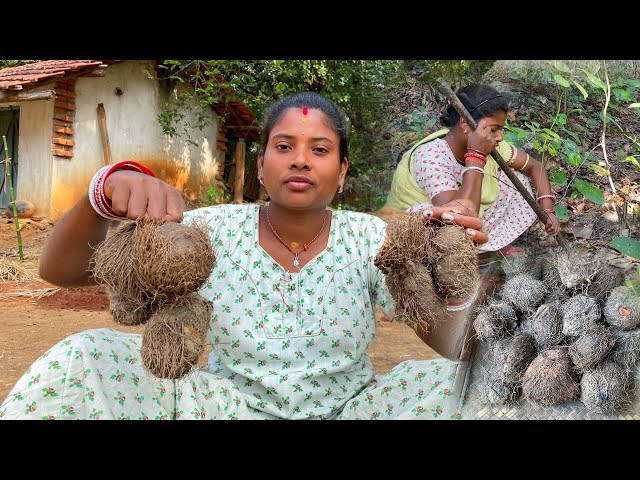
pixel 100 203
pixel 96 193
pixel 477 169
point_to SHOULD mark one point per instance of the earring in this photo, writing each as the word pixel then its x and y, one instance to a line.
pixel 340 189
pixel 260 179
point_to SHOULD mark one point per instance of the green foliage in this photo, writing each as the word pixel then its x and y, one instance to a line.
pixel 557 130
pixel 457 72
pixel 561 212
pixel 358 86
pixel 15 63
pixel 627 246
pixel 219 194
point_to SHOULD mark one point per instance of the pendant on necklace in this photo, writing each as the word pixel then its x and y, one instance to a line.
pixel 295 261
pixel 294 245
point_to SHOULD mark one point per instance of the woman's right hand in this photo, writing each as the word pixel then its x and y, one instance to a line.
pixel 136 196
pixel 483 138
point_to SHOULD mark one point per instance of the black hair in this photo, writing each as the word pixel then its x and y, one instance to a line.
pixel 312 100
pixel 480 101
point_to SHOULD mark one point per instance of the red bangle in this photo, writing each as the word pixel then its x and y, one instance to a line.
pixel 550 210
pixel 473 157
pixel 126 165
pixel 475 150
pixel 101 204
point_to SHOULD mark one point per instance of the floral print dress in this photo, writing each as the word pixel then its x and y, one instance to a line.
pixel 285 345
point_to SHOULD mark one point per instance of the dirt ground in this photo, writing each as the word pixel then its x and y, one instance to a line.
pixel 34 315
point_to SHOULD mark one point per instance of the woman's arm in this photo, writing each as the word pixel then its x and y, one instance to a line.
pixel 533 169
pixel 66 256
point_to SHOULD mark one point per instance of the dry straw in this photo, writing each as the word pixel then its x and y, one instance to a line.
pixel 11 271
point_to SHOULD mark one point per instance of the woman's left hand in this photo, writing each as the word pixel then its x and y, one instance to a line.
pixel 553 225
pixel 472 225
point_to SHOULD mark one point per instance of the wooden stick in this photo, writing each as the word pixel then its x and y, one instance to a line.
pixel 542 215
pixel 104 135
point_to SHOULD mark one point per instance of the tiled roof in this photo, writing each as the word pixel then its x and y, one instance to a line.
pixel 241 119
pixel 34 72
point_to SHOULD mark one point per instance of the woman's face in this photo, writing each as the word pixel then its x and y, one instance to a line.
pixel 493 125
pixel 301 166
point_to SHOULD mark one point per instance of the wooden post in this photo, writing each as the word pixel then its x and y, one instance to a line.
pixel 104 135
pixel 238 156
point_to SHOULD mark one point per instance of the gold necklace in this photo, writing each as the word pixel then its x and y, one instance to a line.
pixel 296 262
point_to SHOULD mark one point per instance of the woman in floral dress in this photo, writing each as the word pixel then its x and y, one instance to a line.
pixel 294 290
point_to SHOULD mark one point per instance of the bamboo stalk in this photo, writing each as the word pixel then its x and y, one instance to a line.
pixel 12 196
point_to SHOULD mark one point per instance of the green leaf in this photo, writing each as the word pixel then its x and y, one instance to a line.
pixel 631 159
pixel 561 212
pixel 569 146
pixel 622 94
pixel 551 133
pixel 599 169
pixel 592 123
pixel 574 159
pixel 572 135
pixel 558 177
pixel 626 245
pixel 581 88
pixel 561 66
pixel 634 105
pixel 595 81
pixel 560 80
pixel 590 191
